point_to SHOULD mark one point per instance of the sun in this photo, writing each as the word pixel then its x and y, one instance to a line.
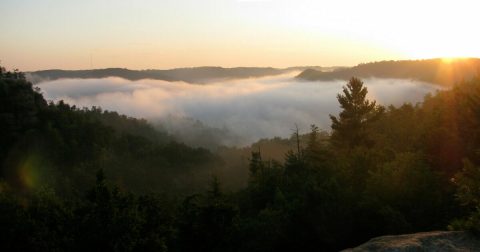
pixel 449 60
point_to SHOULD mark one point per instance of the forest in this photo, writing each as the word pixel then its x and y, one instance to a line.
pixel 439 71
pixel 79 179
pixel 199 75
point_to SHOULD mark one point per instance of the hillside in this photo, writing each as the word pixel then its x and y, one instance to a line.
pixel 191 75
pixel 73 179
pixel 436 71
pixel 62 147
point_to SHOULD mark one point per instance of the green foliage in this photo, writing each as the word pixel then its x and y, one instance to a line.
pixel 397 186
pixel 206 221
pixel 352 127
pixel 62 146
pixel 104 219
pixel 76 179
pixel 468 194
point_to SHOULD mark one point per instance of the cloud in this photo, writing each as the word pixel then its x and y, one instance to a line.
pixel 248 108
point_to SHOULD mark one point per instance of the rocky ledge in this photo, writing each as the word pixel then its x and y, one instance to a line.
pixel 427 241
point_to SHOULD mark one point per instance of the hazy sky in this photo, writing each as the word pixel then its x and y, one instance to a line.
pixel 140 34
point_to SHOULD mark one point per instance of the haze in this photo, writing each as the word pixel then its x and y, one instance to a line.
pixel 248 109
pixel 166 34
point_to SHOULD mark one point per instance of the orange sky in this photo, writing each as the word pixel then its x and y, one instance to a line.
pixel 181 33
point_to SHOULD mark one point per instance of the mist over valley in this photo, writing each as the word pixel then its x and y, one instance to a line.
pixel 239 125
pixel 240 111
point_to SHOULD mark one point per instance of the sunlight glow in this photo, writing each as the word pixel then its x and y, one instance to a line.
pixel 28 173
pixel 32 172
pixel 449 60
pixel 184 33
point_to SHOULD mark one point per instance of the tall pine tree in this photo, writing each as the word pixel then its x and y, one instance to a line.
pixel 350 129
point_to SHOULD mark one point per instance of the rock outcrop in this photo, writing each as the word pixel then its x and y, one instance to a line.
pixel 427 241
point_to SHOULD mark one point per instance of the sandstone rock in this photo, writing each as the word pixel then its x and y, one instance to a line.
pixel 427 241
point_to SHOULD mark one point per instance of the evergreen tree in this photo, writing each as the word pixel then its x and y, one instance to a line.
pixel 351 128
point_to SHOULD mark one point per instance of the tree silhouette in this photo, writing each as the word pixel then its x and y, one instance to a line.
pixel 350 129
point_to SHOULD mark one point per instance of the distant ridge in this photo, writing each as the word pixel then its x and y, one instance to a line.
pixel 437 71
pixel 191 75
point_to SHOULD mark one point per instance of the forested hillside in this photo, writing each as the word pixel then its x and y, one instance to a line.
pixel 191 75
pixel 86 179
pixel 64 146
pixel 437 71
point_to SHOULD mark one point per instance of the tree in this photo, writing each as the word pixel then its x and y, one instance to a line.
pixel 468 195
pixel 206 221
pixel 351 128
pixel 256 163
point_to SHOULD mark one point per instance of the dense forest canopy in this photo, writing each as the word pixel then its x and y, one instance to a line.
pixel 438 71
pixel 82 178
pixel 67 145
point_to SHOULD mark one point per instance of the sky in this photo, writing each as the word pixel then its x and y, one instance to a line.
pixel 162 34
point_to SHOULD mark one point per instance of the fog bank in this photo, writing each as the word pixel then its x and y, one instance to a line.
pixel 244 110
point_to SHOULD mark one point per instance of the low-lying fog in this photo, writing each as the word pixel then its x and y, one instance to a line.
pixel 244 110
